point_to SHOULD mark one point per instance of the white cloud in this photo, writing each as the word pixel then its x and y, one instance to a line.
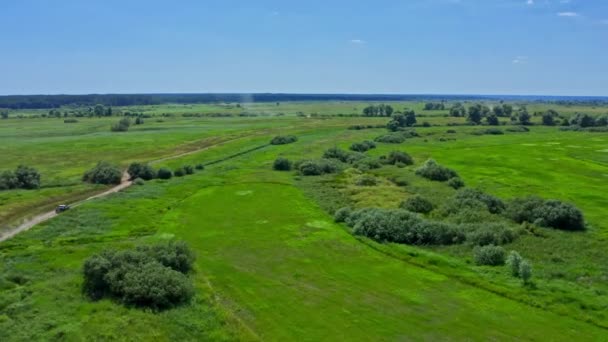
pixel 357 41
pixel 520 60
pixel 530 2
pixel 567 14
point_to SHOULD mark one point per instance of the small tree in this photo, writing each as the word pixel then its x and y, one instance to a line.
pixel 525 271
pixel 122 125
pixel 493 120
pixel 410 118
pixel 103 173
pixel 164 173
pixel 27 177
pixel 417 204
pixel 514 261
pixel 141 170
pixel 282 164
pixel 4 114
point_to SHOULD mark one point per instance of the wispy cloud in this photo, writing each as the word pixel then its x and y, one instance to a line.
pixel 520 60
pixel 568 14
pixel 357 41
pixel 530 2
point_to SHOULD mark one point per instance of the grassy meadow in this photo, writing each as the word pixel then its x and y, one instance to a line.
pixel 271 262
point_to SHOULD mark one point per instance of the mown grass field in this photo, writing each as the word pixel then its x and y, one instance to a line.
pixel 272 264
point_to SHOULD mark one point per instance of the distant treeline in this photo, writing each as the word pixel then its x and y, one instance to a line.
pixel 55 101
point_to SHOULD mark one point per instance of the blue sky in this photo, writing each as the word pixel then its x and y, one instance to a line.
pixel 536 47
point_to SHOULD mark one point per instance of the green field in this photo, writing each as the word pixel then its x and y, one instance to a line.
pixel 271 263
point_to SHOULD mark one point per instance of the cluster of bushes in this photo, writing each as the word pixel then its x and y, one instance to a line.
pixel 417 204
pixel 147 276
pixel 363 146
pixel 434 106
pixel 24 177
pixel 493 131
pixel 103 173
pixel 70 121
pixel 519 267
pixel 317 167
pixel 397 137
pixel 366 180
pixel 547 213
pixel 397 158
pixel 403 226
pixel 283 139
pixel 121 126
pixel 433 171
pixel 518 129
pixel 379 110
pixel 400 121
pixel 586 120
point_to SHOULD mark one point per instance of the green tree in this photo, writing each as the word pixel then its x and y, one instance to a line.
pixel 410 118
pixel 523 116
pixel 475 114
pixel 28 177
pixel 525 271
pixel 4 114
pixel 493 120
pixel 98 110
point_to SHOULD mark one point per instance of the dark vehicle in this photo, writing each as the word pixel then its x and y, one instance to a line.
pixel 62 208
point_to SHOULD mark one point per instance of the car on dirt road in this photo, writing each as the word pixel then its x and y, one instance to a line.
pixel 61 208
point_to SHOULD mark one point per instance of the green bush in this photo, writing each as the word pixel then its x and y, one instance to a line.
pixel 27 177
pixel 489 255
pixel 417 204
pixel 199 166
pixel 525 271
pixel 363 146
pixel 433 171
pixel 8 180
pixel 148 276
pixel 179 172
pixel 494 204
pixel 342 155
pixel 283 139
pixel 164 173
pixel 317 167
pixel 400 180
pixel 493 131
pixel 121 126
pixel 398 157
pixel 456 183
pixel 188 169
pixel 397 137
pixel 141 170
pixel 342 214
pixel 139 181
pixel 518 129
pixel 549 213
pixel 103 173
pixel 367 164
pixel 513 262
pixel 282 164
pixel 483 234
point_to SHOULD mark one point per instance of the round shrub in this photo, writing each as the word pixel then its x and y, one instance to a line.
pixel 179 172
pixel 27 177
pixel 283 139
pixel 139 181
pixel 141 170
pixel 282 164
pixel 164 173
pixel 156 287
pixel 489 255
pixel 525 271
pixel 342 214
pixel 513 262
pixel 559 215
pixel 368 163
pixel 481 234
pixel 103 173
pixel 433 171
pixel 456 183
pixel 494 204
pixel 199 167
pixel 400 181
pixel 417 204
pixel 317 167
pixel 363 146
pixel 398 157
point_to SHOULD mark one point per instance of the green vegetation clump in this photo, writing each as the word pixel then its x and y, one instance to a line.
pixel 363 146
pixel 24 177
pixel 70 121
pixel 456 183
pixel 367 164
pixel 433 171
pixel 489 255
pixel 483 234
pixel 342 214
pixel 141 170
pixel 547 213
pixel 282 164
pixel 121 126
pixel 513 262
pixel 379 110
pixel 199 166
pixel 417 204
pixel 283 139
pixel 148 276
pixel 103 173
pixel 465 197
pixel 316 167
pixel 366 180
pixel 342 155
pixel 493 131
pixel 164 173
pixel 139 181
pixel 179 172
pixel 518 129
pixel 396 137
pixel 398 158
